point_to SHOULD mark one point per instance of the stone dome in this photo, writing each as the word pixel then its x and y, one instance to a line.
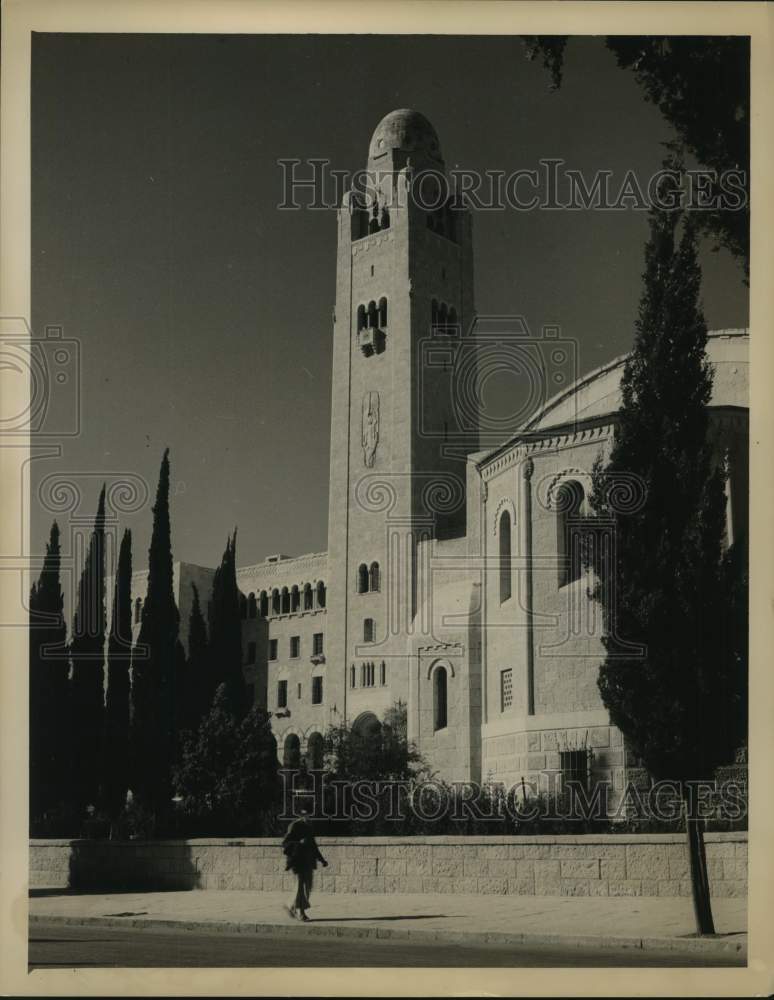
pixel 408 132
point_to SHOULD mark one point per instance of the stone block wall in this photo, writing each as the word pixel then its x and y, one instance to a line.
pixel 602 865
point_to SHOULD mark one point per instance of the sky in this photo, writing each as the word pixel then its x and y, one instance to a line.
pixel 203 311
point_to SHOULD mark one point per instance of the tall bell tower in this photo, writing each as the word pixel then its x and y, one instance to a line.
pixel 400 430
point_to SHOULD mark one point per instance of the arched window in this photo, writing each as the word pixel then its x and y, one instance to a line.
pixel 442 317
pixel 382 313
pixel 569 504
pixel 434 314
pixel 362 579
pixel 137 610
pixel 291 756
pixel 308 597
pixel 252 607
pixel 368 630
pixel 452 320
pixel 295 598
pixel 285 605
pixel 263 605
pixel 373 577
pixel 275 602
pixel 242 606
pixel 372 314
pixel 314 751
pixel 384 218
pixel 361 318
pixel 352 676
pixel 505 556
pixel 440 681
pixel 383 673
pixel 320 594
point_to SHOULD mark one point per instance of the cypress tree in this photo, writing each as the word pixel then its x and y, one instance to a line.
pixel 680 700
pixel 198 695
pixel 153 666
pixel 116 756
pixel 49 687
pixel 226 633
pixel 87 650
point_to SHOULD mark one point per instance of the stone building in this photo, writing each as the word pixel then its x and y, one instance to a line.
pixel 452 581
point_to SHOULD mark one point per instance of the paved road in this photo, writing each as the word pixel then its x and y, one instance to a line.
pixel 56 946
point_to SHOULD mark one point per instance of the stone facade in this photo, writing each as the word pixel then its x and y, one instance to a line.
pixel 609 865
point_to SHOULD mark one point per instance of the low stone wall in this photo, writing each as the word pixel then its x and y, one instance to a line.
pixel 605 865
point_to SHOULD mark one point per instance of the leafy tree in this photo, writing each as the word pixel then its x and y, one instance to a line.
pixel 227 775
pixel 115 782
pixel 87 650
pixel 383 753
pixel 49 687
pixel 153 666
pixel 701 85
pixel 226 632
pixel 680 700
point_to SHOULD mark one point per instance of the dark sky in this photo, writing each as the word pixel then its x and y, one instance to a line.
pixel 204 312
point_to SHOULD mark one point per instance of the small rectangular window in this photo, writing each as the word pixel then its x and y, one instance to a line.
pixel 251 652
pixel 282 694
pixel 383 673
pixel 317 690
pixel 299 691
pixel 272 649
pixel 506 689
pixel 295 646
pixel 317 643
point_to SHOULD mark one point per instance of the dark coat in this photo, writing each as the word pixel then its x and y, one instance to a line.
pixel 300 848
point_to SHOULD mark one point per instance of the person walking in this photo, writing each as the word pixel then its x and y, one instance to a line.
pixel 302 854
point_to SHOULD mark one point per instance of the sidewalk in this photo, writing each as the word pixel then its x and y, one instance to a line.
pixel 635 922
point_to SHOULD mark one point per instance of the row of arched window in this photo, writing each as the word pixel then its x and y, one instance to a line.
pixel 443 319
pixel 572 526
pixel 365 221
pixel 368 675
pixel 291 751
pixel 368 578
pixel 372 316
pixel 283 601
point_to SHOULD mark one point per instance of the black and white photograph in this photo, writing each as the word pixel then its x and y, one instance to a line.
pixel 381 493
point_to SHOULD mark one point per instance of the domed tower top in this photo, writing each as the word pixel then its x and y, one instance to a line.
pixel 401 134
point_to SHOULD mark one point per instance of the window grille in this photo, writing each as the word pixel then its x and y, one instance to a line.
pixel 506 689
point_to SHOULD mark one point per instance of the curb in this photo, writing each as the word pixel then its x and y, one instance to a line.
pixel 716 947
